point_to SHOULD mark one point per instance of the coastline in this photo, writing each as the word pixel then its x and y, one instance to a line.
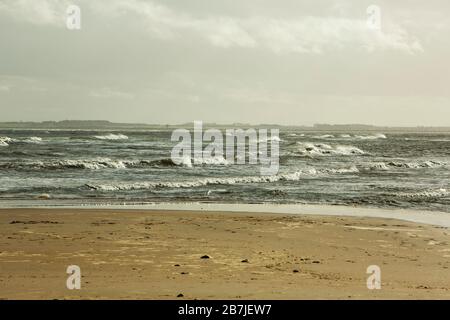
pixel 156 254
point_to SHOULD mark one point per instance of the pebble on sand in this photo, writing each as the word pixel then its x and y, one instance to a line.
pixel 204 257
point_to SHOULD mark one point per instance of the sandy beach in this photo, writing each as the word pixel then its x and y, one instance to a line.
pixel 132 254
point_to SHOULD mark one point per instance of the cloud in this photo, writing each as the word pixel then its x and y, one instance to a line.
pixel 307 34
pixel 106 93
pixel 40 12
pixel 4 88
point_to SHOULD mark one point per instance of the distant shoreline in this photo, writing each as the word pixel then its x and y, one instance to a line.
pixel 107 125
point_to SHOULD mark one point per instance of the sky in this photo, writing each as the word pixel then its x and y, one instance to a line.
pixel 292 62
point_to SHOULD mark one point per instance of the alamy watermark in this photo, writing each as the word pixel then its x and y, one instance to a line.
pixel 73 17
pixel 373 21
pixel 74 279
pixel 241 147
pixel 374 280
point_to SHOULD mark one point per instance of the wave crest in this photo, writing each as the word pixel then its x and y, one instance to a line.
pixel 438 193
pixel 112 136
pixel 407 165
pixel 322 149
pixel 4 141
pixel 293 176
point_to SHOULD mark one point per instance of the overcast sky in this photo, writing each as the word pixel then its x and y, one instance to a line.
pixel 254 61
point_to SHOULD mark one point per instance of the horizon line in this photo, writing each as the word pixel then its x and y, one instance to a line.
pixel 108 122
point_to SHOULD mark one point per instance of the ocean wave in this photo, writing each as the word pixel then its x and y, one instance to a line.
pixel 322 149
pixel 33 140
pixel 4 141
pixel 352 169
pixel 417 165
pixel 293 176
pixel 107 163
pixel 377 166
pixel 350 137
pixel 437 193
pixel 270 139
pixel 99 163
pixel 324 136
pixel 408 165
pixel 371 137
pixel 112 136
pixel 189 162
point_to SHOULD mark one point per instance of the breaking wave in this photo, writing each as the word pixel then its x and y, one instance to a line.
pixel 371 137
pixel 350 137
pixel 294 176
pixel 322 149
pixel 105 163
pixel 406 165
pixel 324 136
pixel 4 141
pixel 33 140
pixel 377 166
pixel 99 163
pixel 112 136
pixel 417 165
pixel 189 162
pixel 438 193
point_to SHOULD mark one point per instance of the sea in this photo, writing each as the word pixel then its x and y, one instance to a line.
pixel 362 169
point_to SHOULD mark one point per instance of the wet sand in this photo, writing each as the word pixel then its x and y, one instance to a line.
pixel 144 254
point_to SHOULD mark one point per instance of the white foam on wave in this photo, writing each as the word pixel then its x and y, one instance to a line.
pixel 437 193
pixel 407 165
pixel 270 139
pixel 322 149
pixel 378 166
pixel 371 137
pixel 417 165
pixel 187 161
pixel 33 140
pixel 112 136
pixel 350 137
pixel 94 164
pixel 4 141
pixel 104 163
pixel 293 176
pixel 324 136
pixel 352 169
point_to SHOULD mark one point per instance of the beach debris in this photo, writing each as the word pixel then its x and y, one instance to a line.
pixel 295 271
pixel 33 222
pixel 184 272
pixel 204 257
pixel 176 265
pixel 422 287
pixel 43 196
pixel 316 261
pixel 180 295
pixel 245 261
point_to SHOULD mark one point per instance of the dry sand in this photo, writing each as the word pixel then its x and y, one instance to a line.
pixel 130 254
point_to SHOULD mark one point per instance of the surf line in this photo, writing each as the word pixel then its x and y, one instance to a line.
pixel 190 150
